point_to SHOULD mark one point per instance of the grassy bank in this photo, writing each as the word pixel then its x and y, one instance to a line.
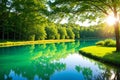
pixel 17 43
pixel 103 54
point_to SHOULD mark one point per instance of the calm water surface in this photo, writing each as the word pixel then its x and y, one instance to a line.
pixel 59 61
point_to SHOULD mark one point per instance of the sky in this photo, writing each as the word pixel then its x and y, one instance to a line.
pixel 86 23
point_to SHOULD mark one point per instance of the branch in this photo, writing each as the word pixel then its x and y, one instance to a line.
pixel 107 5
pixel 101 9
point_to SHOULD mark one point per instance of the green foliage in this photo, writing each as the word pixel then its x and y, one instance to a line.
pixel 40 33
pixel 98 31
pixel 107 43
pixel 85 9
pixel 70 34
pixel 21 19
pixel 62 32
pixel 89 10
pixel 57 36
pixel 76 31
pixel 51 32
pixel 31 37
pixel 100 43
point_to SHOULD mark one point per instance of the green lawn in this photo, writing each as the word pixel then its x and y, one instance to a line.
pixel 105 54
pixel 17 43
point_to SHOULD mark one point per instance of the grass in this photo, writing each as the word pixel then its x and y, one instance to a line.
pixel 104 54
pixel 18 43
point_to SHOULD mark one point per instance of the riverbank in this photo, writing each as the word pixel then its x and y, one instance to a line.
pixel 103 54
pixel 18 43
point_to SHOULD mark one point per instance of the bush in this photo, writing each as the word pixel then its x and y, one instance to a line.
pixel 107 43
pixel 100 43
pixel 112 44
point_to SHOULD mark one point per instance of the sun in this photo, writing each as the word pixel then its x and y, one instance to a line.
pixel 110 20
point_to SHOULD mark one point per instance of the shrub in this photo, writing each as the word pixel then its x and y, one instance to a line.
pixel 100 43
pixel 112 44
pixel 107 43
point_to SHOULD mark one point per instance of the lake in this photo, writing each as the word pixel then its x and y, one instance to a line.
pixel 58 61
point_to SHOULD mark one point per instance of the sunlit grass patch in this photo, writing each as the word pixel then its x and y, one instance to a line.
pixel 17 43
pixel 106 54
pixel 98 51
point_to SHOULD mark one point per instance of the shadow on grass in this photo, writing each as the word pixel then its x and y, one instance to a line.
pixel 112 58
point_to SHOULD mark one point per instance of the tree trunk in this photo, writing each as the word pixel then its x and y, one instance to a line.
pixel 117 35
pixel 3 33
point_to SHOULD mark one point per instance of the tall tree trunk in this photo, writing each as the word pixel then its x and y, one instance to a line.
pixel 14 35
pixel 3 33
pixel 117 34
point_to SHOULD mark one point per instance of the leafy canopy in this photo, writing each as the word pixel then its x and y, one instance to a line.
pixel 89 9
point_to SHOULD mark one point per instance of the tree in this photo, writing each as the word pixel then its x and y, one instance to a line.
pixel 51 32
pixel 62 32
pixel 20 17
pixel 90 9
pixel 70 33
pixel 40 33
pixel 76 31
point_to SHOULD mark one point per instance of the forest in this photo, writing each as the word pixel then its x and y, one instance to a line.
pixel 31 20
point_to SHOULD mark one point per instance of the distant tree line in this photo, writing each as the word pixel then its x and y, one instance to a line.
pixel 98 31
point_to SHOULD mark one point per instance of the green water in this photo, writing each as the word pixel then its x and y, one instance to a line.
pixel 59 61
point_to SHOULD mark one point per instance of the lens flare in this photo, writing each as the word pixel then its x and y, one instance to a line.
pixel 110 20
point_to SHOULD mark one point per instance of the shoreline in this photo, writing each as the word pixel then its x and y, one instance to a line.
pixel 20 43
pixel 104 59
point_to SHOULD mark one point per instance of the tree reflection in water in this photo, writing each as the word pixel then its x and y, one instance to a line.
pixel 109 75
pixel 39 62
pixel 87 72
